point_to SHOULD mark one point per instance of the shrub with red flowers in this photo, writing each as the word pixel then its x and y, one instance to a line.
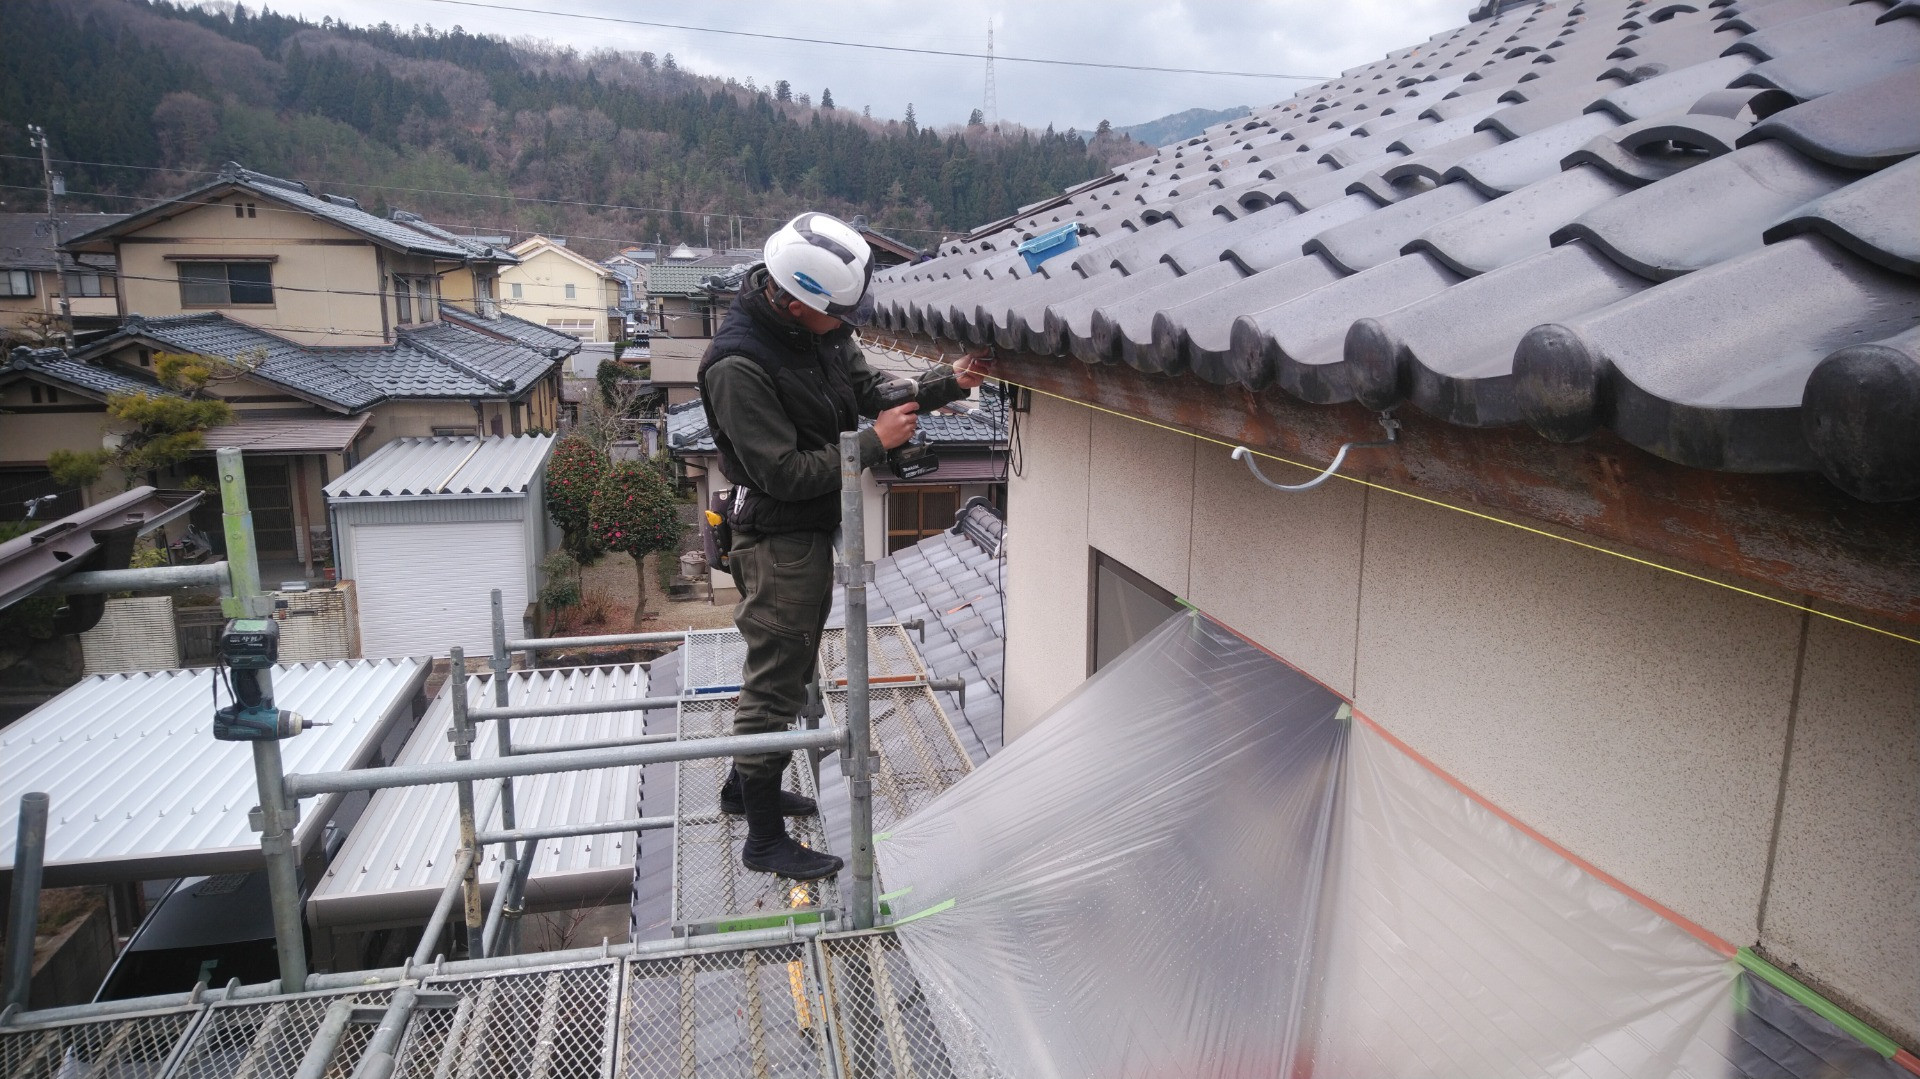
pixel 574 474
pixel 635 511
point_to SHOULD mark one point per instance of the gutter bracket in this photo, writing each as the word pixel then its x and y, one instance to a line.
pixel 1387 422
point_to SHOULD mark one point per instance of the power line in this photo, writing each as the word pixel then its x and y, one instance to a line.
pixel 882 48
pixel 428 191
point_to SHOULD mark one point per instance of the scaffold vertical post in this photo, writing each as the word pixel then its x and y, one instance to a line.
pixel 859 737
pixel 462 738
pixel 277 815
pixel 501 695
pixel 23 908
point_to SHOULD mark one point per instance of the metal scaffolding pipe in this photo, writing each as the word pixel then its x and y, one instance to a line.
pixel 462 738
pixel 378 1061
pixel 206 577
pixel 603 743
pixel 583 708
pixel 568 831
pixel 442 909
pixel 859 734
pixel 354 979
pixel 578 760
pixel 278 812
pixel 534 644
pixel 326 1041
pixel 490 932
pixel 23 907
pixel 503 730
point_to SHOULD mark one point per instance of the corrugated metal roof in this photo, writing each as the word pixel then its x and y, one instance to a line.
pixel 287 435
pixel 397 859
pixel 140 788
pixel 446 465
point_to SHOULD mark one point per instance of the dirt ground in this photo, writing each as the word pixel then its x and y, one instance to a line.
pixel 609 584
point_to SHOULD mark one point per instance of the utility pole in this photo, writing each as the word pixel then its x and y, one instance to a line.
pixel 37 138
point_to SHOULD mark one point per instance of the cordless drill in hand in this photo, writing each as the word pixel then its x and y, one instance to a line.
pixel 912 458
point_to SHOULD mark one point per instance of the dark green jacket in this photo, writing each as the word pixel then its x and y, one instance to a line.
pixel 776 398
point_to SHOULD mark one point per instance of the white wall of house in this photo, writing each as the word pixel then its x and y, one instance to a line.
pixel 1753 768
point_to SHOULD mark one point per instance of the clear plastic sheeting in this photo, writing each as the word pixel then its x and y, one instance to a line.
pixel 1134 882
pixel 1200 865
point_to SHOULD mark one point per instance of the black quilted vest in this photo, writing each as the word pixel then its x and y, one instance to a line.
pixel 809 372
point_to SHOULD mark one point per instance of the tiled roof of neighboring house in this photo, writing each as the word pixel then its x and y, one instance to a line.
pixel 984 423
pixel 682 278
pixel 287 435
pixel 1693 224
pixel 953 582
pixel 438 360
pixel 26 243
pixel 339 209
pixel 487 248
pixel 459 465
pixel 90 378
pixel 527 333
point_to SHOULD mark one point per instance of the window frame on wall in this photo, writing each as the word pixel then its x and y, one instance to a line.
pixel 17 284
pixel 87 284
pixel 1141 596
pixel 194 275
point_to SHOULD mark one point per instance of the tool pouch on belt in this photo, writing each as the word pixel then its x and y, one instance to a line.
pixel 720 530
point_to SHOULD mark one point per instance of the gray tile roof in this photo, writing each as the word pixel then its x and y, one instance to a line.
pixel 954 582
pixel 26 243
pixel 531 334
pixel 339 209
pixel 1691 224
pixel 479 247
pixel 439 360
pixel 96 378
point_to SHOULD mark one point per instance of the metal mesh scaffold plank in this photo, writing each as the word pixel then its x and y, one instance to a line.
pixel 539 1024
pixel 269 1039
pixel 133 1047
pixel 890 654
pixel 709 883
pixel 711 661
pixel 920 755
pixel 885 1024
pixel 750 1012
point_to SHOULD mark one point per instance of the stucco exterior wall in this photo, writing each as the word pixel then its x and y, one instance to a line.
pixel 543 276
pixel 328 286
pixel 1640 719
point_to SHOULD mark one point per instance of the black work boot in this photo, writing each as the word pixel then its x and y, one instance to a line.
pixel 769 848
pixel 734 805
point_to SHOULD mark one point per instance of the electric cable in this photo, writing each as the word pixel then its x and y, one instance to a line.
pixel 957 53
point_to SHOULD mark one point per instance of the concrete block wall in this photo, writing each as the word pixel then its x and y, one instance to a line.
pixel 1752 767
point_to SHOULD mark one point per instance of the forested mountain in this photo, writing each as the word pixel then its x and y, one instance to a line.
pixel 1179 125
pixel 145 95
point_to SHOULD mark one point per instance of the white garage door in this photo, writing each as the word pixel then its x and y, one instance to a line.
pixel 425 588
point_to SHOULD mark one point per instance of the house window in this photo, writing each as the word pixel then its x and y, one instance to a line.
pixel 243 209
pixel 570 292
pixel 44 395
pixel 16 283
pixel 914 513
pixel 1126 607
pixel 226 284
pixel 516 290
pixel 87 284
pixel 403 299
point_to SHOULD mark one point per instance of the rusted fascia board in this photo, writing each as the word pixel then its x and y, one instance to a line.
pixel 1796 535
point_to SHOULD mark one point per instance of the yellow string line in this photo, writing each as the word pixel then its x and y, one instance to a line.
pixel 1462 509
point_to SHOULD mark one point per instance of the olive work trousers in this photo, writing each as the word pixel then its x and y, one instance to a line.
pixel 786 590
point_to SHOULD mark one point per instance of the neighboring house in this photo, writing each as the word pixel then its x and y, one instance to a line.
pixel 970 438
pixel 556 288
pixel 475 283
pixel 1643 281
pixel 36 276
pixel 630 266
pixel 888 251
pixel 335 330
pixel 50 401
pixel 684 313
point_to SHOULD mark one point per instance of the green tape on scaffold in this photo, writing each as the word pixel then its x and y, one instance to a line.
pixel 1821 1006
pixel 898 894
pixel 944 904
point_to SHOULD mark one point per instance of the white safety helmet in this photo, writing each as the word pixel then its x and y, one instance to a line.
pixel 824 263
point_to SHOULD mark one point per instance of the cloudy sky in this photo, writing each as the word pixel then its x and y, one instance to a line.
pixel 1287 37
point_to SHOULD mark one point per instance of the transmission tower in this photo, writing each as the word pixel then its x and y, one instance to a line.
pixel 992 107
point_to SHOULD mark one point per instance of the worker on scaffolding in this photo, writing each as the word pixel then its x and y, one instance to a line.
pixel 780 382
